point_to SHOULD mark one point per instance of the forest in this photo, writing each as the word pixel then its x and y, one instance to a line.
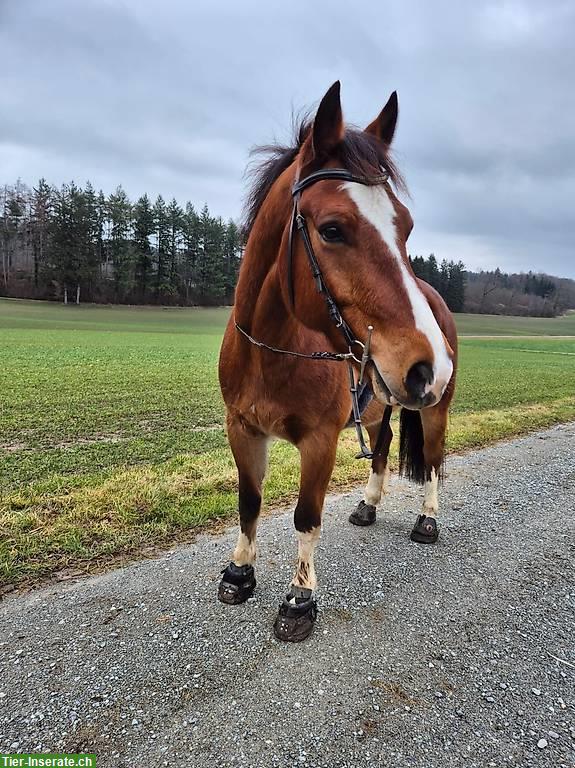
pixel 495 292
pixel 74 244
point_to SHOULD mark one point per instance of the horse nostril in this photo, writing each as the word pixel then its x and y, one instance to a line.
pixel 418 377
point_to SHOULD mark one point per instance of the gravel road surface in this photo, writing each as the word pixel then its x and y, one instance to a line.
pixel 458 654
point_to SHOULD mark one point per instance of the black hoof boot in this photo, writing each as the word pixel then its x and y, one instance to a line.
pixel 425 530
pixel 237 584
pixel 363 515
pixel 295 620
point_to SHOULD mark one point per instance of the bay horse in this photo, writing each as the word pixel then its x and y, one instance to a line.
pixel 326 279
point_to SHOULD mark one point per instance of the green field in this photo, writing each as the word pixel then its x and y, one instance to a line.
pixel 496 325
pixel 111 436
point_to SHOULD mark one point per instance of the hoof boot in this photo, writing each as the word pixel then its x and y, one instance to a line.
pixel 295 621
pixel 425 530
pixel 363 515
pixel 237 584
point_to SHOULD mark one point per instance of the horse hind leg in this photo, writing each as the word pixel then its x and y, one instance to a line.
pixel 250 449
pixel 434 424
pixel 378 483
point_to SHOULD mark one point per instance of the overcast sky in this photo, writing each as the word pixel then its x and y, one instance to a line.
pixel 168 97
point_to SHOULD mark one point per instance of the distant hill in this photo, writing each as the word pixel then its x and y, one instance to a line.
pixel 495 292
pixel 527 294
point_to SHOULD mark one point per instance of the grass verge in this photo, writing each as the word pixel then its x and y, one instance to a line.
pixel 110 425
pixel 155 505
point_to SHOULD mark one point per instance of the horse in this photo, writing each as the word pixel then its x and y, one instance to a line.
pixel 325 265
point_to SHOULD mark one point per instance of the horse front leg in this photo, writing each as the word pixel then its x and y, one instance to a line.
pixel 434 423
pixel 250 450
pixel 297 613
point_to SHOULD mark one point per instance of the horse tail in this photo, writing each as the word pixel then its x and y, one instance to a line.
pixel 411 460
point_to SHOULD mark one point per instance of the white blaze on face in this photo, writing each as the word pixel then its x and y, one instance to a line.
pixel 375 205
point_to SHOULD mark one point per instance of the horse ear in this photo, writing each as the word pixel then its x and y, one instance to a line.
pixel 384 124
pixel 328 124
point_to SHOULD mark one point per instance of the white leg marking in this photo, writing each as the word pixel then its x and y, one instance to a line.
pixel 375 205
pixel 376 486
pixel 430 503
pixel 305 571
pixel 245 551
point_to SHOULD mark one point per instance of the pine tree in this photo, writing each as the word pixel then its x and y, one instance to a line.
pixel 433 272
pixel 41 213
pixel 175 217
pixel 210 273
pixel 102 237
pixel 232 256
pixel 65 254
pixel 162 233
pixel 121 249
pixel 419 267
pixel 443 279
pixel 455 291
pixel 90 225
pixel 190 256
pixel 143 229
pixel 13 230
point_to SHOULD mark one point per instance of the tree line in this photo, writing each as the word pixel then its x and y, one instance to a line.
pixel 496 292
pixel 73 242
pixel 537 295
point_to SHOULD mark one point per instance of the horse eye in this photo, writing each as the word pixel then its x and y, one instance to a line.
pixel 331 234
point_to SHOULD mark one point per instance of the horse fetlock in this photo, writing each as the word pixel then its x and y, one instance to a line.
pixel 245 551
pixel 431 502
pixel 377 486
pixel 304 576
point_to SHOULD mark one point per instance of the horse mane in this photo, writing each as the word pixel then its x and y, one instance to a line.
pixel 359 152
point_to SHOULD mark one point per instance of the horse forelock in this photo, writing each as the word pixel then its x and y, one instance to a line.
pixel 359 152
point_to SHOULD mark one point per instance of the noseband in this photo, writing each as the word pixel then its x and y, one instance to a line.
pixel 298 223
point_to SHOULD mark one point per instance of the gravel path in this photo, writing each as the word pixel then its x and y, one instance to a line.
pixel 461 654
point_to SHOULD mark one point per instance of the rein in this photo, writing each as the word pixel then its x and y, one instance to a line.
pixel 298 223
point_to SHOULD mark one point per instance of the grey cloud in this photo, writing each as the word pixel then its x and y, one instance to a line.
pixel 169 97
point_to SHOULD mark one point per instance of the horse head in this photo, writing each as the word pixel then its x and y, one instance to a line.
pixel 358 231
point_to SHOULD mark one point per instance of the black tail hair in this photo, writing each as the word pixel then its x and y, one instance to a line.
pixel 411 461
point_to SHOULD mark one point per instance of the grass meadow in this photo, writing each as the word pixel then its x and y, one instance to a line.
pixel 111 438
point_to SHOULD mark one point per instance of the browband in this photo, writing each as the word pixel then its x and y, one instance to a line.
pixel 339 174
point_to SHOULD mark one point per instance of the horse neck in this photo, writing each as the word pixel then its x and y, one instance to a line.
pixel 263 251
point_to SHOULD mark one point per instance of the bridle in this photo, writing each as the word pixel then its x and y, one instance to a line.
pixel 298 223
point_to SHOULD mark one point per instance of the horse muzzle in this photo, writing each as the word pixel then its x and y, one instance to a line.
pixel 418 390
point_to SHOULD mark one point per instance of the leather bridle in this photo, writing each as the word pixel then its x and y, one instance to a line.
pixel 298 223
